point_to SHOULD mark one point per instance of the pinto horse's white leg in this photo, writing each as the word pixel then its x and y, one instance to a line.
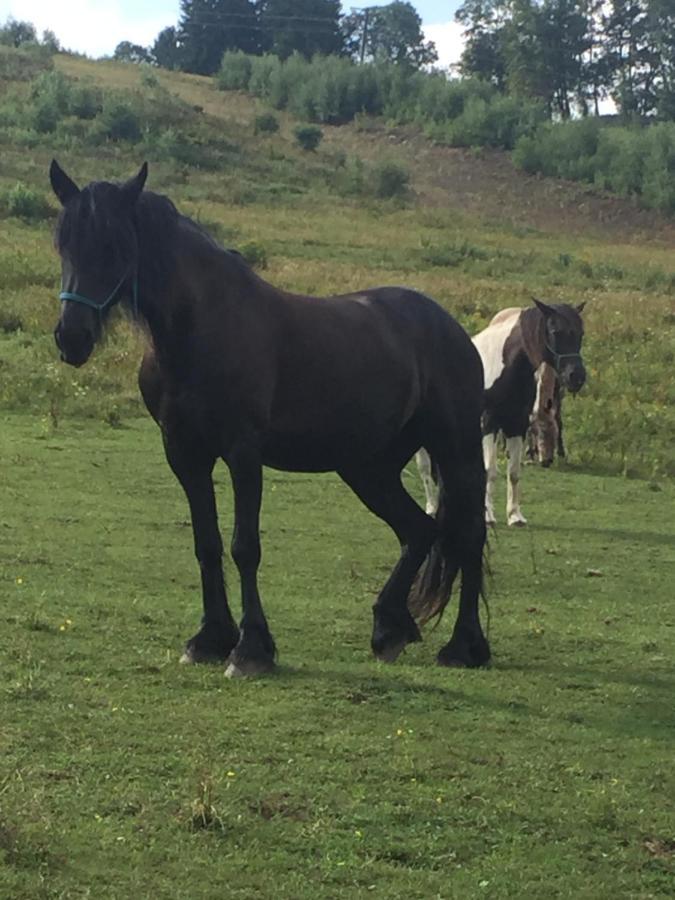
pixel 514 448
pixel 490 460
pixel 423 461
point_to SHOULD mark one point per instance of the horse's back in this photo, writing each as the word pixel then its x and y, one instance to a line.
pixel 491 340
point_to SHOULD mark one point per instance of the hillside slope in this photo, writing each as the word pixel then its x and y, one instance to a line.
pixel 474 233
pixel 483 183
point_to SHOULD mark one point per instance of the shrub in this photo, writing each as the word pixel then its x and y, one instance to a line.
pixel 266 123
pixel 85 102
pixel 390 179
pixel 308 136
pixel 44 116
pixel 25 203
pixel 493 123
pixel 235 71
pixel 148 78
pixel 255 254
pixel 119 121
pixel 658 187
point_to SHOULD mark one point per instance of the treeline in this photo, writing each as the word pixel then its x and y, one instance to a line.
pixel 573 54
pixel 208 28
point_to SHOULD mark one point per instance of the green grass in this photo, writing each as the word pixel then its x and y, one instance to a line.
pixel 125 774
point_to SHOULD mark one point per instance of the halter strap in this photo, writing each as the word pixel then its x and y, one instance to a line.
pixel 111 299
pixel 557 357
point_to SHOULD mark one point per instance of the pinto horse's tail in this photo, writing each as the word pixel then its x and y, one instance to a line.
pixel 460 540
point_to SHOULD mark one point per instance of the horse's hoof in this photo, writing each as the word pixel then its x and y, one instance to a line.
pixel 249 668
pixel 192 657
pixel 390 653
pixel 450 663
pixel 460 655
pixel 517 521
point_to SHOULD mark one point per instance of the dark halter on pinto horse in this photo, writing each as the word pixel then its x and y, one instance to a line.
pixel 239 370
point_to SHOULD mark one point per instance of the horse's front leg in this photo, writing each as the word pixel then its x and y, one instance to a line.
pixel 255 652
pixel 218 634
pixel 514 448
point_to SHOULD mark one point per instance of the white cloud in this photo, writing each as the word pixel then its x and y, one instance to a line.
pixel 448 39
pixel 87 26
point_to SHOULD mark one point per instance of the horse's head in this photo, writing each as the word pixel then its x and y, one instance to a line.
pixel 96 239
pixel 563 334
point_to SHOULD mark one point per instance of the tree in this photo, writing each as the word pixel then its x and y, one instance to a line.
pixel 631 57
pixel 208 28
pixel 390 33
pixel 125 51
pixel 165 51
pixel 302 26
pixel 484 34
pixel 15 33
pixel 50 41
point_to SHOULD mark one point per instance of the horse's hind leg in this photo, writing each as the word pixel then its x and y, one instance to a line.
pixel 514 448
pixel 490 462
pixel 380 489
pixel 462 532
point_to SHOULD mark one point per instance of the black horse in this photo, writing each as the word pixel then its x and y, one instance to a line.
pixel 240 370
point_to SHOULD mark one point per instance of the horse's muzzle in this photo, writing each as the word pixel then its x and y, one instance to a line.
pixel 574 379
pixel 74 352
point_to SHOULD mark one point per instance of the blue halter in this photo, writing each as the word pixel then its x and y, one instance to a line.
pixel 113 298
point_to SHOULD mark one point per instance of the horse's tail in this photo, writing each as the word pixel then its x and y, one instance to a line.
pixel 460 539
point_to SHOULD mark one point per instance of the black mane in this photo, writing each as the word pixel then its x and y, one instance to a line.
pixel 95 230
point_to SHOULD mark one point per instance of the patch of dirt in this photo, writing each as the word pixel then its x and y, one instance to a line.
pixel 486 183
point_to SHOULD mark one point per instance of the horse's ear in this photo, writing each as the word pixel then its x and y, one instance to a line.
pixel 63 186
pixel 131 190
pixel 544 308
pixel 580 307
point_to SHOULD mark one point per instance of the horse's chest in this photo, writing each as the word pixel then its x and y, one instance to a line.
pixel 509 401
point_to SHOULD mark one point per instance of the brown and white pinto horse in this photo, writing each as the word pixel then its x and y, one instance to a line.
pixel 513 348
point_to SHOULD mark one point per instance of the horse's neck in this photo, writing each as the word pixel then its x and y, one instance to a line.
pixel 533 336
pixel 202 290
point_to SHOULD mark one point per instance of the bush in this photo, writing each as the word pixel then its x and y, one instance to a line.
pixel 25 203
pixel 235 71
pixel 255 254
pixel 658 187
pixel 308 136
pixel 85 102
pixel 266 123
pixel 499 122
pixel 119 121
pixel 390 179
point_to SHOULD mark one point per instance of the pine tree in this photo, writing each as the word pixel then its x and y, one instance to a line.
pixel 208 28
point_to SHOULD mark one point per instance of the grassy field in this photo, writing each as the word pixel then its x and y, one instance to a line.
pixel 127 775
pixel 123 774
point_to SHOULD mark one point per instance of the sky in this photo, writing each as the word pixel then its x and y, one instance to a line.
pixel 95 27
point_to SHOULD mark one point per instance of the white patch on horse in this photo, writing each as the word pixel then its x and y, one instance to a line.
pixel 514 448
pixel 490 343
pixel 490 460
pixel 423 461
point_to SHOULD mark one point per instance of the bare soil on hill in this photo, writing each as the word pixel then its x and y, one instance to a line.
pixel 486 183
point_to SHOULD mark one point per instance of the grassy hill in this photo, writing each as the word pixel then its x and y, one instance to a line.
pixel 473 232
pixel 123 774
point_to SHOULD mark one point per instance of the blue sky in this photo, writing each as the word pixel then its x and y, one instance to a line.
pixel 95 27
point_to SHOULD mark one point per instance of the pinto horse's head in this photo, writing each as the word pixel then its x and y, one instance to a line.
pixel 563 335
pixel 97 242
